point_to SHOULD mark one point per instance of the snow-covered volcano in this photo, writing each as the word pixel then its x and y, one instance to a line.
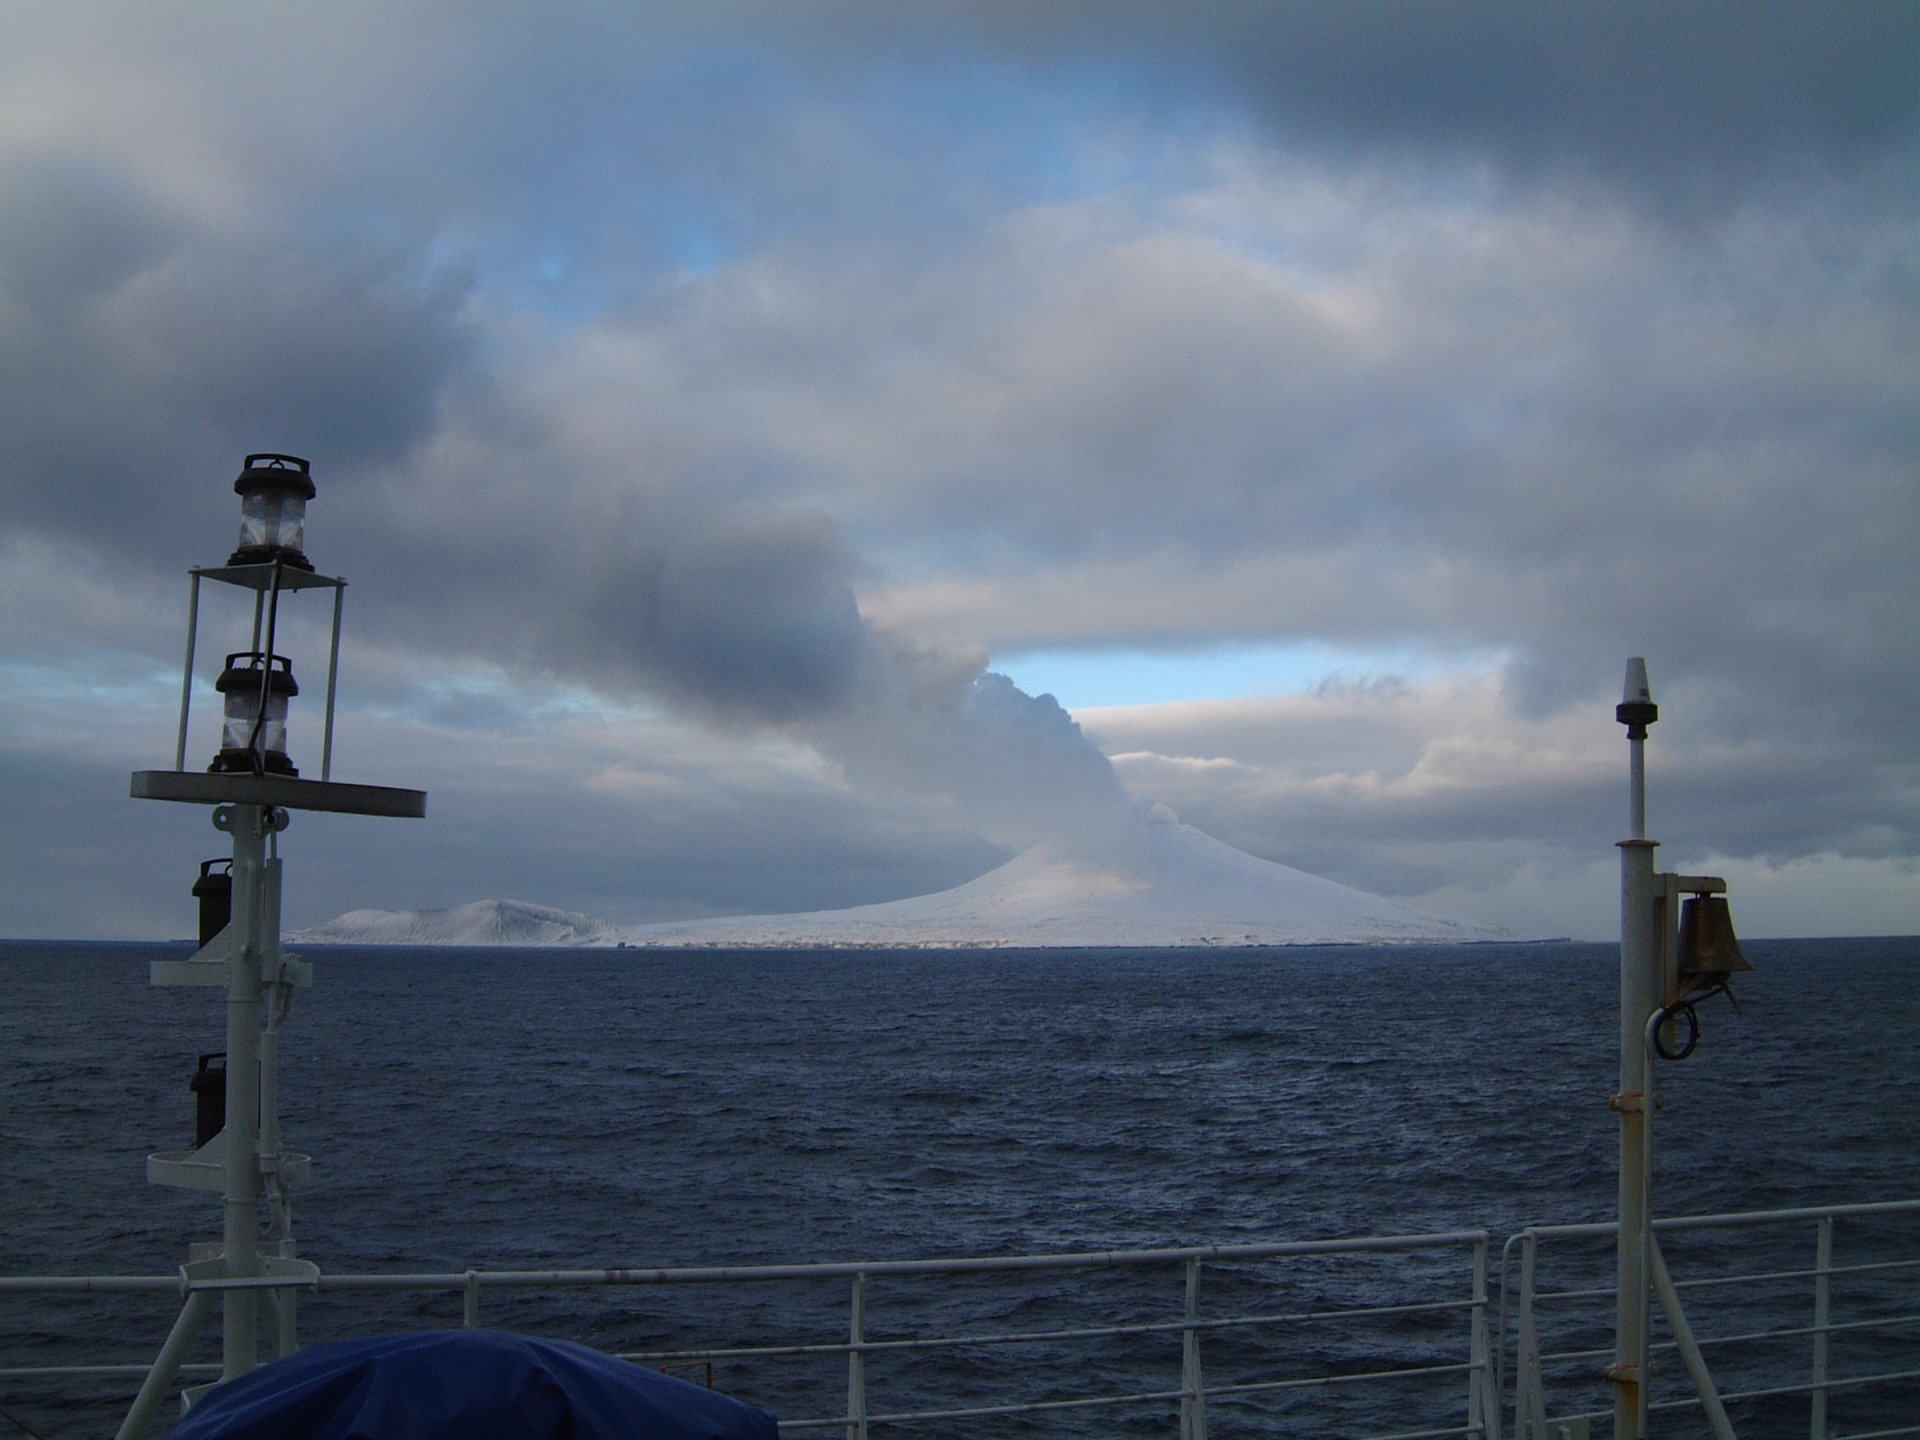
pixel 1169 885
pixel 1163 885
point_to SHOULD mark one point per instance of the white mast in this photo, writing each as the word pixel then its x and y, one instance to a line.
pixel 253 786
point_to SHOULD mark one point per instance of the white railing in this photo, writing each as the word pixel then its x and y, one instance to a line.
pixel 1247 1348
pixel 1395 1335
pixel 1562 1392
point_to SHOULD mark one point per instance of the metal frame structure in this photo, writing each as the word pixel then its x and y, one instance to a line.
pixel 1522 1297
pixel 245 1161
pixel 268 582
pixel 1651 996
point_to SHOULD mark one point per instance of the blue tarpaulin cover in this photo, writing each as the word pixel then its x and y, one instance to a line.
pixel 443 1384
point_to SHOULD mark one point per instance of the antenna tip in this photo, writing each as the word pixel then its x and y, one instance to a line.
pixel 1636 709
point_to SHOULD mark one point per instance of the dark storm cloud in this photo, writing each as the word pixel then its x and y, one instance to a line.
pixel 634 579
pixel 139 347
pixel 1693 100
pixel 72 232
pixel 1698 93
pixel 1550 430
pixel 747 612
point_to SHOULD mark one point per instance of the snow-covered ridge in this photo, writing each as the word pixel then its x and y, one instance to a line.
pixel 1167 886
pixel 484 922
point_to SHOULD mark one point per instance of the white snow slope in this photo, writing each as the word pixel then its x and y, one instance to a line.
pixel 1174 886
pixel 1168 886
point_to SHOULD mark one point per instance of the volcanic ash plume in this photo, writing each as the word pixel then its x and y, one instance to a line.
pixel 749 616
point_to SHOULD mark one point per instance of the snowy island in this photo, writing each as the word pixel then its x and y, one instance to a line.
pixel 1165 886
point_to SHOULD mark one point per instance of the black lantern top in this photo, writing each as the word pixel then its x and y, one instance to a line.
pixel 273 491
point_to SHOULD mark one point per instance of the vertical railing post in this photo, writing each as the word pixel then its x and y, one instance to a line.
pixel 1529 1401
pixel 1193 1396
pixel 1822 1319
pixel 1483 1399
pixel 470 1301
pixel 857 1362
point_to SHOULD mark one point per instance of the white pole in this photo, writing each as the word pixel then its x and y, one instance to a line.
pixel 173 1353
pixel 333 677
pixel 1193 1403
pixel 186 679
pixel 1822 1320
pixel 1639 998
pixel 241 1231
pixel 1689 1348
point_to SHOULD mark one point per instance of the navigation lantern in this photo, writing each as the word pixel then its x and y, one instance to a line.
pixel 253 737
pixel 273 490
pixel 1636 709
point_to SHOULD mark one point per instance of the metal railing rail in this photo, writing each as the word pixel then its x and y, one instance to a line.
pixel 1487 1348
pixel 1533 1362
pixel 1472 1364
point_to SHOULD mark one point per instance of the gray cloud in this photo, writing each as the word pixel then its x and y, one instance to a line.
pixel 1700 95
pixel 1691 101
pixel 138 349
pixel 778 370
pixel 747 612
pixel 748 616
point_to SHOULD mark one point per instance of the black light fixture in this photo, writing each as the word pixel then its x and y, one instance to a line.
pixel 214 891
pixel 273 491
pixel 253 739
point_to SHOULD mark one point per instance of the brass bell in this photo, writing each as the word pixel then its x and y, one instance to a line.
pixel 1709 951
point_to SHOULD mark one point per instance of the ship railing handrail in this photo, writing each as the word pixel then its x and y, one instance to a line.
pixel 1533 1361
pixel 1034 1337
pixel 1596 1229
pixel 1714 1220
pixel 745 1274
pixel 958 1265
pixel 1251 1387
pixel 1744 1277
pixel 1488 1370
pixel 1462 1353
pixel 1748 1337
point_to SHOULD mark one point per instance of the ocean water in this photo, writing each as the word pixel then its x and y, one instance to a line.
pixel 556 1108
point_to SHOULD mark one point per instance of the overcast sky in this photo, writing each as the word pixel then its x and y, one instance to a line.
pixel 1318 402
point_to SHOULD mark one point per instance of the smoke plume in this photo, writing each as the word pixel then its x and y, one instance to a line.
pixel 748 616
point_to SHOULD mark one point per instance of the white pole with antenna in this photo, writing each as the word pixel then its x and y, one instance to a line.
pixel 1640 997
pixel 253 786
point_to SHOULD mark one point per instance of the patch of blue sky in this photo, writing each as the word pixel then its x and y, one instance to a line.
pixel 114 678
pixel 1088 679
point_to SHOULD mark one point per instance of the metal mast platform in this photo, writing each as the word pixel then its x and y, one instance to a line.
pixel 253 787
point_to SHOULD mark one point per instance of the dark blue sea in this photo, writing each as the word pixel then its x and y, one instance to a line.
pixel 570 1108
